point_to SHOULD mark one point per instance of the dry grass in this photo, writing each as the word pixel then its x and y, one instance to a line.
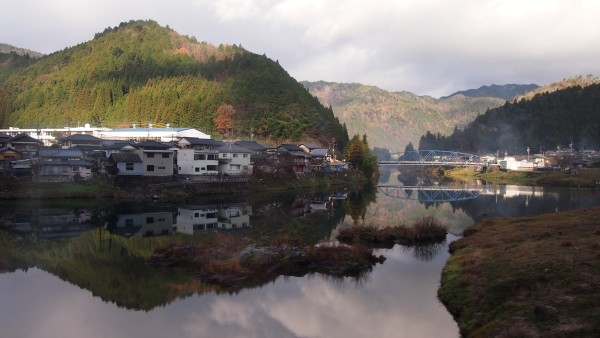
pixel 233 261
pixel 425 230
pixel 536 275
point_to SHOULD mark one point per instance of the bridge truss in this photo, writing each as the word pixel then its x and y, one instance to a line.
pixel 437 157
pixel 429 194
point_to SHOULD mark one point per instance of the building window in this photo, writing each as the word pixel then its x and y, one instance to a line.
pixel 199 157
pixel 161 168
pixel 197 169
pixel 149 220
pixel 245 155
pixel 166 155
pixel 234 167
pixel 149 155
pixel 150 167
pixel 235 155
pixel 196 214
pixel 211 157
pixel 75 169
pixel 128 166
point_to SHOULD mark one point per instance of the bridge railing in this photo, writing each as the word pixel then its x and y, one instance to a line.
pixel 437 157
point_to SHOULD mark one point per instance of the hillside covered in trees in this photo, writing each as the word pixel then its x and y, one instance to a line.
pixel 548 120
pixel 140 72
pixel 392 120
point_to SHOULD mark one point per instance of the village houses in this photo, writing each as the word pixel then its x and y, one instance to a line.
pixel 152 152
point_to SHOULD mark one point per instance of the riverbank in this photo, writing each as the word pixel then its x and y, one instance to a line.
pixel 526 277
pixel 576 178
pixel 141 188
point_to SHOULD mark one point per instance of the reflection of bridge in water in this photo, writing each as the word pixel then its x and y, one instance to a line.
pixel 429 194
pixel 437 157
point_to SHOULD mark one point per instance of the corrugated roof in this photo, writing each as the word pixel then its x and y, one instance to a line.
pixel 81 137
pixel 252 145
pixel 125 157
pixel 319 152
pixel 233 148
pixel 60 153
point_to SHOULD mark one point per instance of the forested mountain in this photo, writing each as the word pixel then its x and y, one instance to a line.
pixel 140 72
pixel 507 92
pixel 393 119
pixel 568 116
pixel 582 81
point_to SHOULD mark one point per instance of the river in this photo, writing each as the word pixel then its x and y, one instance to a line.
pixel 70 269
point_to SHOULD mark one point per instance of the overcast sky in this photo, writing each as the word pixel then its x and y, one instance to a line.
pixel 428 47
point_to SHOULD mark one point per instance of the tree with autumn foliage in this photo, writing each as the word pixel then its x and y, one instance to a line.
pixel 224 119
pixel 359 156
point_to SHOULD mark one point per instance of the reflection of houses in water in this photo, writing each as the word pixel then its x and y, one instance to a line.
pixel 510 191
pixel 192 220
pixel 234 217
pixel 142 224
pixel 52 223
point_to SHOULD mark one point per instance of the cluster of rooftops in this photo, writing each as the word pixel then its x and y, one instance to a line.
pixel 82 156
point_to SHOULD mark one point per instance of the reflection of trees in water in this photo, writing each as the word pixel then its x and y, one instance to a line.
pixel 425 252
pixel 357 202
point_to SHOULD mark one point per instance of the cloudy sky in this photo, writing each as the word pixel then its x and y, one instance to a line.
pixel 428 47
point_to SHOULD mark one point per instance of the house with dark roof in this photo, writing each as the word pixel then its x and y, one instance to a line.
pixel 294 157
pixel 125 164
pixel 234 159
pixel 61 165
pixel 23 143
pixel 82 141
pixel 198 143
pixel 309 146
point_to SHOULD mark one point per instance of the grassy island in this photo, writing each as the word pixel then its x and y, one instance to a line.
pixel 526 277
pixel 576 178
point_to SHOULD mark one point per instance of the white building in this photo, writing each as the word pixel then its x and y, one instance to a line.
pixel 197 162
pixel 48 135
pixel 511 163
pixel 157 158
pixel 234 159
pixel 156 134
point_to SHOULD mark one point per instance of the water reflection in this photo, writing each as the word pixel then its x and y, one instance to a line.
pixel 397 300
pixel 46 223
pixel 97 283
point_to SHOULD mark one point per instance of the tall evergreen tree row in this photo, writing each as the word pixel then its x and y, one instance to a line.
pixel 140 72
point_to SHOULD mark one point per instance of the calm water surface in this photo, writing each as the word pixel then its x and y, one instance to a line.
pixel 46 297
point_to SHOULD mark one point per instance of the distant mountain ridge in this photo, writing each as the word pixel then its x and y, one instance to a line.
pixel 507 92
pixel 393 119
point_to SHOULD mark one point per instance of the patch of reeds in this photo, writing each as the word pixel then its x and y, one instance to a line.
pixel 426 229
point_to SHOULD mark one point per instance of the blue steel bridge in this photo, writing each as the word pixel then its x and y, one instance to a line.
pixel 429 194
pixel 437 158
